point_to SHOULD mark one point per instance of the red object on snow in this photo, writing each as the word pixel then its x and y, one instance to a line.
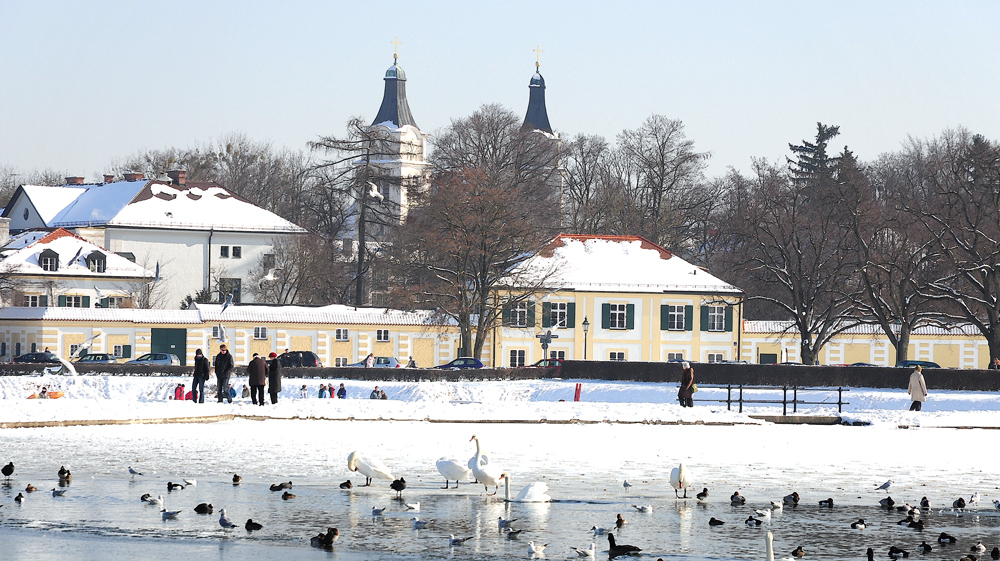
pixel 187 396
pixel 179 393
pixel 576 395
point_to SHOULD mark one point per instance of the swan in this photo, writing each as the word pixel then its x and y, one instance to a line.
pixel 485 473
pixel 679 480
pixel 369 467
pixel 536 492
pixel 769 546
pixel 451 468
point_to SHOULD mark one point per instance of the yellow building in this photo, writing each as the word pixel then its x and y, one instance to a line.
pixel 619 298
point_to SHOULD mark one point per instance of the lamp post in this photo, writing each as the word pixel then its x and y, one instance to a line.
pixel 586 328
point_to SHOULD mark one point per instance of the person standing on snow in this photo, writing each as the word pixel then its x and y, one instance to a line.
pixel 201 370
pixel 917 389
pixel 273 377
pixel 342 392
pixel 685 394
pixel 224 366
pixel 375 394
pixel 257 371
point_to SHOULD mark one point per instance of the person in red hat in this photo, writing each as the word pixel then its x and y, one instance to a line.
pixel 273 377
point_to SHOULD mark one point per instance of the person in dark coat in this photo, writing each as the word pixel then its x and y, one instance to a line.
pixel 686 392
pixel 224 366
pixel 273 377
pixel 257 371
pixel 201 373
pixel 342 392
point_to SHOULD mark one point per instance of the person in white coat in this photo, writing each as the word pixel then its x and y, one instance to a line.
pixel 917 389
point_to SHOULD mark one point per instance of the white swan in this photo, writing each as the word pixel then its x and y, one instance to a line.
pixel 536 492
pixel 486 473
pixel 451 468
pixel 369 467
pixel 679 480
pixel 769 546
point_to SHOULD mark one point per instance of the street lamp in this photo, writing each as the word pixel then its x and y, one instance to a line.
pixel 586 328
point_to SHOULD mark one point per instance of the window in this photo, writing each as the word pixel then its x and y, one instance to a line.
pixel 382 335
pixel 268 262
pixel 116 301
pixel 260 333
pixel 223 251
pixel 49 263
pixel 237 252
pixel 17 349
pixel 557 314
pixel 716 357
pixel 619 314
pixel 26 214
pixel 230 286
pixel 340 361
pixel 30 301
pixel 516 358
pixel 716 318
pixel 122 351
pixel 215 332
pixel 617 356
pixel 342 335
pixel 73 350
pixel 675 318
pixel 73 301
pixel 675 356
pixel 97 262
pixel 557 354
pixel 519 315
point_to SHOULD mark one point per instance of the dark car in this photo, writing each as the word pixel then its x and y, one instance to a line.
pixel 294 359
pixel 97 358
pixel 464 362
pixel 920 363
pixel 40 357
pixel 863 364
pixel 159 359
pixel 548 363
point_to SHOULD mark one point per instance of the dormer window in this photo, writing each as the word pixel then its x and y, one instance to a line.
pixel 48 260
pixel 97 262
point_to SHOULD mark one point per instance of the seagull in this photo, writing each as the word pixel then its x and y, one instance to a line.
pixel 222 334
pixel 599 531
pixel 75 257
pixel 158 501
pixel 626 485
pixel 226 304
pixel 269 277
pixel 775 505
pixel 586 552
pixel 58 492
pixel 156 277
pixel 452 540
pixel 98 292
pixel 133 472
pixel 169 513
pixel 377 511
pixel 643 508
pixel 224 520
pixel 887 485
pixel 536 549
pixel 191 482
pixel 415 507
pixel 974 499
pixel 373 192
pixel 419 524
pixel 765 514
pixel 512 534
pixel 996 504
pixel 252 526
pixel 501 523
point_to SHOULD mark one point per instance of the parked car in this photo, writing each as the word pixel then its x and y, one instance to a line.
pixel 380 362
pixel 548 363
pixel 464 362
pixel 161 359
pixel 39 357
pixel 299 358
pixel 97 358
pixel 863 364
pixel 920 363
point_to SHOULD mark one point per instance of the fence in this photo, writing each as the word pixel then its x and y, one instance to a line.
pixel 784 401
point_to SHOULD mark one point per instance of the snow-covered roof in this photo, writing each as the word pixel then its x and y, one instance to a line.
pixel 333 314
pixel 98 316
pixel 777 326
pixel 619 264
pixel 97 204
pixel 50 200
pixel 24 250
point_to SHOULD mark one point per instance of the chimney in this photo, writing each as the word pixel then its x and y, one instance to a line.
pixel 74 181
pixel 108 178
pixel 4 230
pixel 177 176
pixel 133 176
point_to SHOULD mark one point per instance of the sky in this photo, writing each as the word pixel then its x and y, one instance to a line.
pixel 84 84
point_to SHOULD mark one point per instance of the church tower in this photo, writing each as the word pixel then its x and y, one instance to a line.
pixel 537 117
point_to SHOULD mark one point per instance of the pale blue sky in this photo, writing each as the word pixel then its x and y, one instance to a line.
pixel 83 83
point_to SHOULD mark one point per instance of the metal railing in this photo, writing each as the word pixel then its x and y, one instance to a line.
pixel 784 401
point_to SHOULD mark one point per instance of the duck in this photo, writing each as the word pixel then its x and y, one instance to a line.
pixel 871 554
pixel 398 485
pixel 317 540
pixel 924 547
pixel 346 485
pixel 798 552
pixel 620 521
pixel 917 525
pixel 792 499
pixel 896 552
pixel 252 526
pixel 145 497
pixel 946 538
pixel 978 548
pixel 995 554
pixel 286 495
pixel 827 503
pixel 237 479
pixel 64 473
pixel 171 486
pixel 616 550
pixel 204 508
pixel 285 485
pixel 331 537
pixel 887 502
pixel 486 473
pixel 925 503
pixel 371 468
pixel 906 520
pixel 968 557
pixel 859 525
pixel 169 514
pixel 275 487
pixel 19 498
pixel 715 522
pixel 737 499
pixel 751 521
pixel 703 495
pixel 452 469
pixel 958 503
pixel 30 488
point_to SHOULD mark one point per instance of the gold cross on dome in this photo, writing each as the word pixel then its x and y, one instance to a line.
pixel 538 56
pixel 395 54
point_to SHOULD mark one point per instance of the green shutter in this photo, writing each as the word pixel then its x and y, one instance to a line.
pixel 688 318
pixel 126 351
pixel 546 314
pixel 62 300
pixel 531 314
pixel 729 318
pixel 86 301
pixel 704 317
pixel 104 302
pixel 43 301
pixel 571 315
pixel 664 317
pixel 629 316
pixel 605 316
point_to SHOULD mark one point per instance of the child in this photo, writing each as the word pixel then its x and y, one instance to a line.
pixel 303 392
pixel 322 391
